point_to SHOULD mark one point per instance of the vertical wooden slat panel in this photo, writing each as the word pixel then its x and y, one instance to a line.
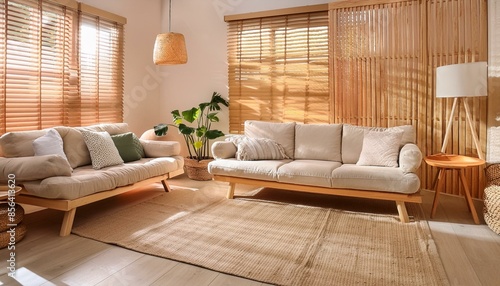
pixel 391 80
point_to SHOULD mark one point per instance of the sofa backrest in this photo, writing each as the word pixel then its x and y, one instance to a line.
pixel 20 144
pixel 352 140
pixel 318 142
pixel 74 146
pixel 283 133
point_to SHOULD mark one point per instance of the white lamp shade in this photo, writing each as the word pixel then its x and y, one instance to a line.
pixel 462 80
pixel 170 49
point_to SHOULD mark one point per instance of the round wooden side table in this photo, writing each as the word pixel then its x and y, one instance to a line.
pixel 446 162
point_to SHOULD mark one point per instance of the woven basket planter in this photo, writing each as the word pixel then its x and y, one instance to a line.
pixel 492 198
pixel 197 170
pixel 8 237
pixel 4 216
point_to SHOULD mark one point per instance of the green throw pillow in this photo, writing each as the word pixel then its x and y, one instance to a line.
pixel 127 147
pixel 138 146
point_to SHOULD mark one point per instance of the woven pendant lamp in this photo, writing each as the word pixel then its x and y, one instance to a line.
pixel 170 48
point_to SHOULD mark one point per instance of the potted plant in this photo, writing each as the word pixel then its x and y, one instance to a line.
pixel 195 125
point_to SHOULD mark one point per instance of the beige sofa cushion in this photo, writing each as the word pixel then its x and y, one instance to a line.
pixel 283 133
pixel 308 172
pixel 318 142
pixel 19 144
pixel 372 178
pixel 34 167
pixel 74 146
pixel 352 140
pixel 86 181
pixel 261 170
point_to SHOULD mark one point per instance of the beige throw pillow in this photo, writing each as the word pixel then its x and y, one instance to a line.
pixel 102 149
pixel 380 148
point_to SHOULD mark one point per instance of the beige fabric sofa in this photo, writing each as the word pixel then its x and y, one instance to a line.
pixel 67 181
pixel 337 159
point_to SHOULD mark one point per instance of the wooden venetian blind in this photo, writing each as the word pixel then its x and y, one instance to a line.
pixel 278 69
pixel 384 59
pixel 35 63
pixel 43 79
pixel 101 66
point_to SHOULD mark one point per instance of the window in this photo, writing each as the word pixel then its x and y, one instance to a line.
pixel 101 70
pixel 42 75
pixel 278 69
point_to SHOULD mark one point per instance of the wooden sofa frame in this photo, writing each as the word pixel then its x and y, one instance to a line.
pixel 400 199
pixel 69 206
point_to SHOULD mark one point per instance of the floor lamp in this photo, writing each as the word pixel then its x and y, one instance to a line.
pixel 461 81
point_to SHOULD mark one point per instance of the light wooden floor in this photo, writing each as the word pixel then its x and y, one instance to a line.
pixel 470 253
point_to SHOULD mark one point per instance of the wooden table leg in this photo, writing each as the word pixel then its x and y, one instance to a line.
pixel 468 197
pixel 439 184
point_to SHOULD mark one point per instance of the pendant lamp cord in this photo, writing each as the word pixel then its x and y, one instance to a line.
pixel 169 16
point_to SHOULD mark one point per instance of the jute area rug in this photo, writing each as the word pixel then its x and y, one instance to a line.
pixel 277 243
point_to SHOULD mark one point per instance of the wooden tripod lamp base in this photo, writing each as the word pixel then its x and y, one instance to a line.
pixel 459 82
pixel 471 126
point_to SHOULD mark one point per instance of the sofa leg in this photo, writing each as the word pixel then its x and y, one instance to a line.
pixel 166 187
pixel 67 223
pixel 230 192
pixel 403 214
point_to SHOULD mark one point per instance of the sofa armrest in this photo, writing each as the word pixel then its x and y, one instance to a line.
pixel 224 150
pixel 156 149
pixel 410 158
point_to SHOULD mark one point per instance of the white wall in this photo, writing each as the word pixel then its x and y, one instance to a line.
pixel 142 78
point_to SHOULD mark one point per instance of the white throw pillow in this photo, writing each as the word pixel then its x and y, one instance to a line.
pixel 102 149
pixel 259 149
pixel 49 144
pixel 380 148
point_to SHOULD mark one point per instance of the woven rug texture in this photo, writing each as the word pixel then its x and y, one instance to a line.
pixel 277 243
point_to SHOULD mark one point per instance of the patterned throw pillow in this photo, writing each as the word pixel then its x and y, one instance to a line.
pixel 259 149
pixel 102 150
pixel 127 147
pixel 380 148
